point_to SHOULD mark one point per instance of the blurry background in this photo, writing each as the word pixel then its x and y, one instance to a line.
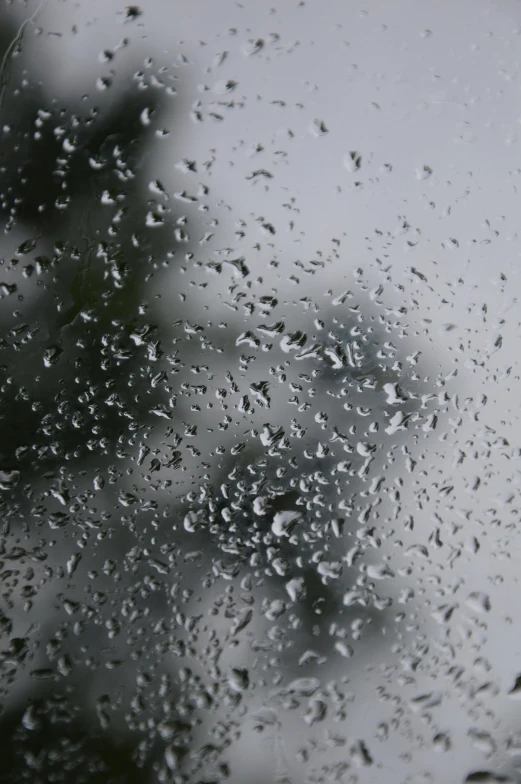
pixel 259 433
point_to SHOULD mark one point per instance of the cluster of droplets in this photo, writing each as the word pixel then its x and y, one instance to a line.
pixel 244 503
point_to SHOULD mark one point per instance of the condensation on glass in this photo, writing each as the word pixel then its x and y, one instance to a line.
pixel 259 430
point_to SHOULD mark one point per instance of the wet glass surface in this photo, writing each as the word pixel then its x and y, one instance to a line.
pixel 260 443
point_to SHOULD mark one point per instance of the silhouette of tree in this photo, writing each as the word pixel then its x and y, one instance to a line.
pixel 87 381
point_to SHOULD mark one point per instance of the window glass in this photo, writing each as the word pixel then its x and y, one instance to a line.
pixel 259 429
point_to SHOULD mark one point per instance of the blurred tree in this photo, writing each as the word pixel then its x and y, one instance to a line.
pixel 86 377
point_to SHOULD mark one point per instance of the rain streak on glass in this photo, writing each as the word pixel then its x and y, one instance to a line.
pixel 260 444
